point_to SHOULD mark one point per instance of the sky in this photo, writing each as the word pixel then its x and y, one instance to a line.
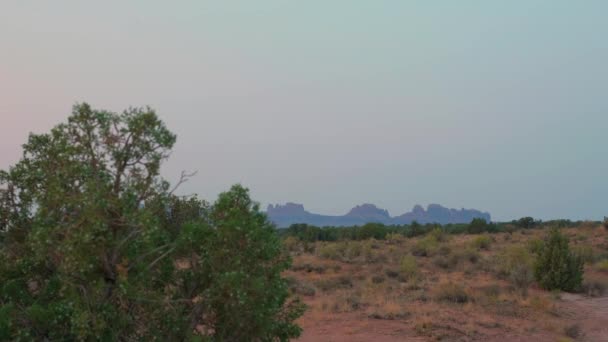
pixel 500 106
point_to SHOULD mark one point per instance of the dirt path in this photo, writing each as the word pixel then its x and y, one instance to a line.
pixel 353 327
pixel 590 313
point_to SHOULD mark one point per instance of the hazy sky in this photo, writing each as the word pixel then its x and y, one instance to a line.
pixel 495 105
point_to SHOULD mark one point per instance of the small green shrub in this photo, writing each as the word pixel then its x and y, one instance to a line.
pixel 427 246
pixel 439 235
pixel 481 242
pixel 535 246
pixel 409 268
pixel 331 251
pixel 557 268
pixel 602 266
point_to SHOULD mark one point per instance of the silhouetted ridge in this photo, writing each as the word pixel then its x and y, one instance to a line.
pixel 290 213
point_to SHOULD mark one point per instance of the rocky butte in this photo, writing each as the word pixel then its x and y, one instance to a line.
pixel 285 215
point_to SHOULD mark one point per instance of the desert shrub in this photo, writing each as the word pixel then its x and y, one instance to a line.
pixel 452 292
pixel 389 311
pixel 510 257
pixel 481 242
pixel 300 287
pixel 330 284
pixel 469 254
pixel 439 234
pixel 354 249
pixel 492 291
pixel 354 301
pixel 602 266
pixel 535 246
pixel 594 287
pixel 291 244
pixel 378 279
pixel 308 267
pixel 444 250
pixel 526 222
pixel 516 264
pixel 540 303
pixel 479 225
pixel 427 246
pixel 522 276
pixel 446 262
pixel 605 222
pixel 391 273
pixel 331 251
pixel 408 267
pixel 557 267
pixel 395 238
pixel 584 253
pixel 488 295
pixel 345 250
pixel 573 331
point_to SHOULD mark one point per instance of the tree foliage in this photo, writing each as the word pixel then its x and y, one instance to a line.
pixel 557 268
pixel 95 246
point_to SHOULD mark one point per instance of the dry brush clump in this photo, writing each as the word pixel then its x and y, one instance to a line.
pixel 482 242
pixel 408 268
pixel 452 293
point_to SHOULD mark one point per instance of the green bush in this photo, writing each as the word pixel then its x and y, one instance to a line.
pixel 535 246
pixel 482 242
pixel 479 225
pixel 557 268
pixel 427 246
pixel 602 266
pixel 409 268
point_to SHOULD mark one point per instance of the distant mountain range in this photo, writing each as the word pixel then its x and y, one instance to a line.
pixel 285 215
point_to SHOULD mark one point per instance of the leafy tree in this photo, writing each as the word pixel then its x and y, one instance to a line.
pixel 246 264
pixel 95 246
pixel 557 268
pixel 526 222
pixel 479 225
pixel 416 229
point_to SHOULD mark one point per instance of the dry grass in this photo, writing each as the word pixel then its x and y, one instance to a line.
pixel 462 287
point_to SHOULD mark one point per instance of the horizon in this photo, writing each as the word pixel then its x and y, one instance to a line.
pixel 494 107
